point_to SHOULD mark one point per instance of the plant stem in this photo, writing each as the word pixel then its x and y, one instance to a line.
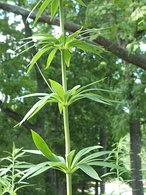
pixel 65 109
pixel 13 171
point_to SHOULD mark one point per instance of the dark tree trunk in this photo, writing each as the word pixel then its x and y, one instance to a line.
pixel 135 148
pixel 39 79
pixel 96 188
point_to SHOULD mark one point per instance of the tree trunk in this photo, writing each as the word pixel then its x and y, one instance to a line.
pixel 135 148
pixel 39 79
pixel 96 188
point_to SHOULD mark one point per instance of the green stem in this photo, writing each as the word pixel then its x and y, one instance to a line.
pixel 65 109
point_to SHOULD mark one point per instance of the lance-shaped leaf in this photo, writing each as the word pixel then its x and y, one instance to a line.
pixel 81 153
pixel 89 171
pixel 61 166
pixel 96 98
pixel 106 164
pixel 36 107
pixel 70 93
pixel 44 37
pixel 71 37
pixel 57 88
pixel 84 46
pixel 42 146
pixel 67 57
pixel 94 156
pixel 39 171
pixel 50 58
pixel 42 8
pixel 54 7
pixel 37 56
pixel 70 158
pixel 33 169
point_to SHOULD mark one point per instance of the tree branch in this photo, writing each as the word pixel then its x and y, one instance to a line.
pixel 16 117
pixel 136 59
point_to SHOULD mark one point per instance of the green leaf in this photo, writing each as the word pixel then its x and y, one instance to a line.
pixel 39 171
pixel 60 106
pixel 36 57
pixel 96 98
pixel 82 153
pixel 70 158
pixel 50 58
pixel 44 37
pixel 34 8
pixel 54 8
pixel 34 152
pixel 33 169
pixel 72 36
pixel 94 156
pixel 67 58
pixel 89 171
pixel 36 107
pixel 80 2
pixel 59 166
pixel 57 88
pixel 42 8
pixel 106 164
pixel 70 94
pixel 88 85
pixel 42 146
pixel 33 95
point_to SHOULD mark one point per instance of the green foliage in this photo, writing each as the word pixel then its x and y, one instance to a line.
pixel 64 98
pixel 10 174
pixel 74 162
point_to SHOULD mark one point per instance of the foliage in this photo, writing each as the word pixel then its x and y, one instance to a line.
pixel 11 174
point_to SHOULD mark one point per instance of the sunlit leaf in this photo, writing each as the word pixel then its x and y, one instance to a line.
pixel 67 58
pixel 36 57
pixel 54 7
pixel 42 8
pixel 34 8
pixel 39 171
pixel 36 107
pixel 72 36
pixel 89 171
pixel 34 152
pixel 70 158
pixel 33 169
pixel 57 88
pixel 33 95
pixel 96 98
pixel 50 58
pixel 59 166
pixel 106 164
pixel 60 106
pixel 44 37
pixel 42 146
pixel 94 156
pixel 82 152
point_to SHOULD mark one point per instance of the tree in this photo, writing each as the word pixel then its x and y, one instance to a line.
pixel 137 59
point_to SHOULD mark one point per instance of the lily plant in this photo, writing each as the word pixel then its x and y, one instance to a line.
pixel 88 157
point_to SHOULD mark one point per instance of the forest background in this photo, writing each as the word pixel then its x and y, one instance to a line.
pixel 120 29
